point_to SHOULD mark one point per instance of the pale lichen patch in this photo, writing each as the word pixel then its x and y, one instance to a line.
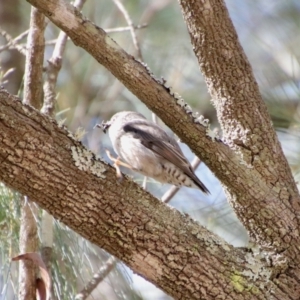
pixel 213 134
pixel 256 267
pixel 79 134
pixel 201 120
pixel 85 160
pixel 197 118
pixel 183 104
pixel 71 135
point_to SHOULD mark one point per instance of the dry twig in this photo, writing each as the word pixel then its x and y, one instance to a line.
pixel 53 68
pixel 97 278
pixel 121 7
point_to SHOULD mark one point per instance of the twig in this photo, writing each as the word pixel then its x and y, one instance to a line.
pixel 145 182
pixel 97 278
pixel 21 36
pixel 53 68
pixel 13 42
pixel 120 29
pixel 121 7
pixel 5 75
pixel 169 194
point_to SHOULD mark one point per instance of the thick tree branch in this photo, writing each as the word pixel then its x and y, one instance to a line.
pixel 259 203
pixel 243 115
pixel 43 161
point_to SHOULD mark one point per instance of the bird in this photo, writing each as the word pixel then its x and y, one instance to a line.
pixel 144 147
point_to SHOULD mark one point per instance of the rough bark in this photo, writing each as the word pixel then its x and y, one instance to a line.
pixel 258 180
pixel 259 203
pixel 248 130
pixel 43 161
pixel 243 116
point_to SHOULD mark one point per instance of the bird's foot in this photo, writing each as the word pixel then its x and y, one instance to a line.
pixel 116 163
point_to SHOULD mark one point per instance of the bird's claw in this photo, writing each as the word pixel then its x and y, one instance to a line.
pixel 116 163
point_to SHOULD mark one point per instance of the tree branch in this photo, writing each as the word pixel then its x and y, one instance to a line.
pixel 127 17
pixel 34 60
pixel 243 115
pixel 245 123
pixel 98 277
pixel 257 202
pixel 43 161
pixel 53 68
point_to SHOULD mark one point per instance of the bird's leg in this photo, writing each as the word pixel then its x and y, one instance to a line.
pixel 117 162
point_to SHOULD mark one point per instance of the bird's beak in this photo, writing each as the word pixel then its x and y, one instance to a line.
pixel 104 126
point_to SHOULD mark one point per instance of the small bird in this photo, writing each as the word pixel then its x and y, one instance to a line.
pixel 146 148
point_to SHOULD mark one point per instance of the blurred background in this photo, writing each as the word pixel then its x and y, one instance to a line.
pixel 87 94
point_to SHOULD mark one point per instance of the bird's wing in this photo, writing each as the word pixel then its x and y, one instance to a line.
pixel 155 139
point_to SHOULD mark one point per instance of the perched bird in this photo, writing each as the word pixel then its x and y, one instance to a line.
pixel 146 148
